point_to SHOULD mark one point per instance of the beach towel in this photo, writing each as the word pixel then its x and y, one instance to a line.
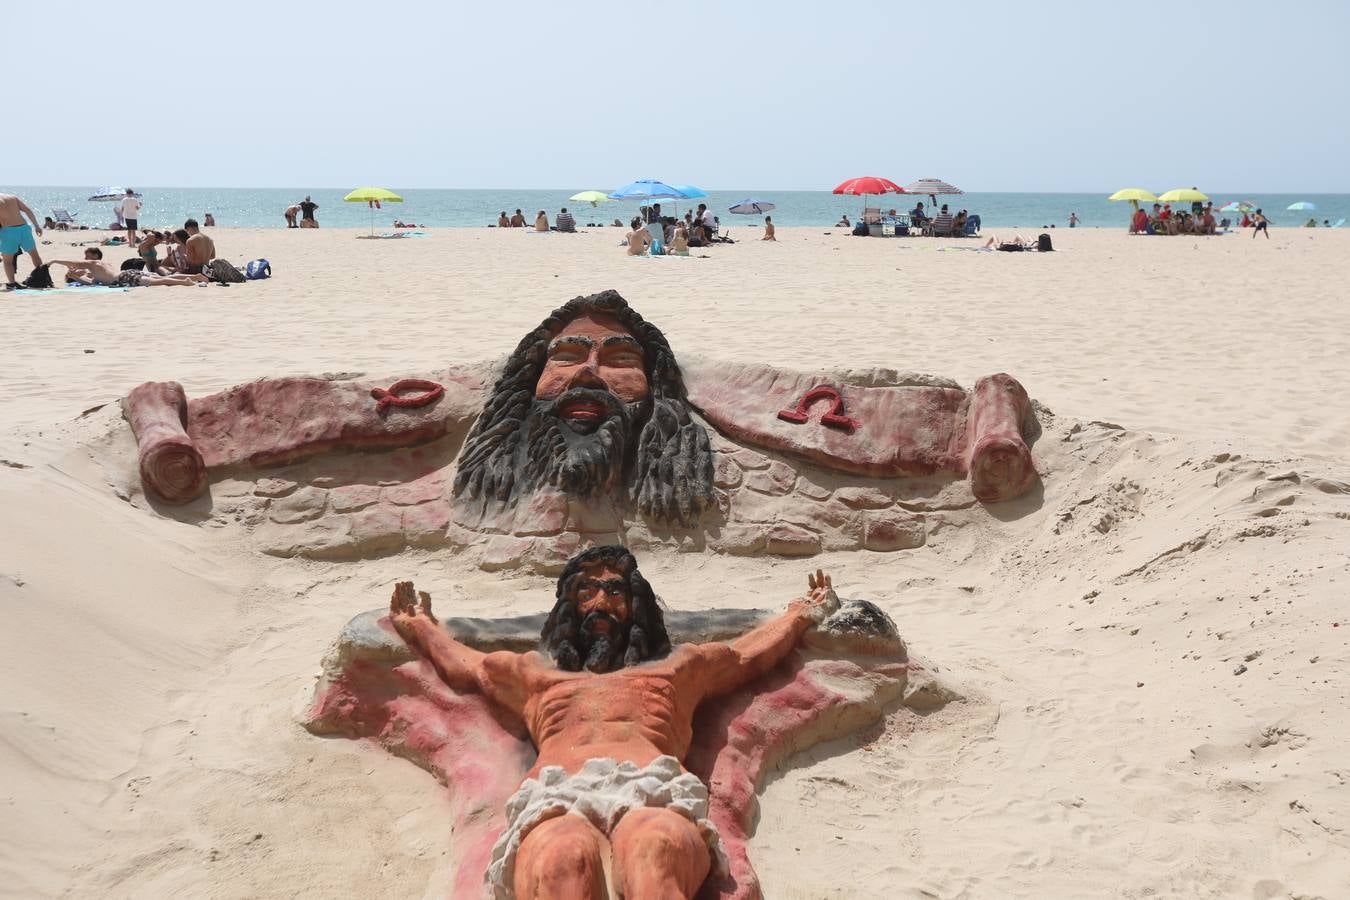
pixel 70 289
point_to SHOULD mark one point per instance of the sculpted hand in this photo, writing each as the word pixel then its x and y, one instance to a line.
pixel 821 600
pixel 408 615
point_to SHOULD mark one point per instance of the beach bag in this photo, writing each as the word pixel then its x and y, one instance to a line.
pixel 130 264
pixel 1043 244
pixel 258 269
pixel 40 278
pixel 222 272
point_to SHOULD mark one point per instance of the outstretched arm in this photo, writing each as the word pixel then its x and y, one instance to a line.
pixel 459 666
pixel 728 666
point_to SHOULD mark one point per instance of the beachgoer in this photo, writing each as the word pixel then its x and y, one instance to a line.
pixel 917 215
pixel 639 239
pixel 177 259
pixel 565 222
pixel 843 222
pixel 679 242
pixel 541 221
pixel 93 270
pixel 146 250
pixel 209 221
pixel 291 212
pixel 1197 207
pixel 1326 223
pixel 768 229
pixel 49 223
pixel 1207 225
pixel 200 248
pixel 1166 212
pixel 131 212
pixel 1073 220
pixel 959 224
pixel 307 207
pixel 503 221
pixel 1014 245
pixel 942 222
pixel 707 220
pixel 1311 223
pixel 617 223
pixel 1139 222
pixel 17 237
pixel 1260 223
pixel 653 213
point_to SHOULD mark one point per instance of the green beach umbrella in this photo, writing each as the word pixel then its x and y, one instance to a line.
pixel 1302 205
pixel 372 196
pixel 591 197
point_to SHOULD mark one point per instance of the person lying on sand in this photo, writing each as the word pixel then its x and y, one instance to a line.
pixel 1015 244
pixel 93 270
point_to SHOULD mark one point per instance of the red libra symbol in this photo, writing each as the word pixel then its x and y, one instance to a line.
pixel 835 418
pixel 431 392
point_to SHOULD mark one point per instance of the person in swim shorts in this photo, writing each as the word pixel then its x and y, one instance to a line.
pixel 131 213
pixel 16 236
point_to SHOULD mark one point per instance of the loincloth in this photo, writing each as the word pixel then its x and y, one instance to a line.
pixel 602 793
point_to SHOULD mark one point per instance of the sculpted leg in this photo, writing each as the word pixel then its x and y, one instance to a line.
pixel 562 859
pixel 659 855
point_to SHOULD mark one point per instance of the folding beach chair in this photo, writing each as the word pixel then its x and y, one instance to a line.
pixel 972 226
pixel 64 219
pixel 871 216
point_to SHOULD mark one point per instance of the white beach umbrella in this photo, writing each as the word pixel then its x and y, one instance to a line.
pixel 111 193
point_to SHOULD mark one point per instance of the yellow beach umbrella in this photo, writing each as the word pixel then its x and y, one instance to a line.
pixel 1134 195
pixel 1183 195
pixel 591 197
pixel 372 196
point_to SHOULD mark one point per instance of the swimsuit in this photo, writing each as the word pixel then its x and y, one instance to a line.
pixel 602 793
pixel 15 239
pixel 129 278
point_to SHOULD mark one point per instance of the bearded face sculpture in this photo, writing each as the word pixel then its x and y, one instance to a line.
pixel 591 403
pixel 606 616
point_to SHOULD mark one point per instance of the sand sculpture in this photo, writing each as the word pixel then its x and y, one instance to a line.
pixel 590 432
pixel 620 737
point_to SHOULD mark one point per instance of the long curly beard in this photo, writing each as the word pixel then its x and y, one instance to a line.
pixel 581 459
pixel 576 645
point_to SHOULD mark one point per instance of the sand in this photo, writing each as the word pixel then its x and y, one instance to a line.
pixel 1154 648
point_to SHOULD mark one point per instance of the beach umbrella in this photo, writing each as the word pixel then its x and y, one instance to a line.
pixel 1134 195
pixel 1242 206
pixel 689 192
pixel 111 193
pixel 933 187
pixel 591 197
pixel 1183 195
pixel 1302 205
pixel 868 184
pixel 646 189
pixel 372 197
pixel 752 207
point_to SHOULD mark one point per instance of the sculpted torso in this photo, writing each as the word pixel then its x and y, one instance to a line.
pixel 634 714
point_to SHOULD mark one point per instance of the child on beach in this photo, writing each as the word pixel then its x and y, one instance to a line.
pixel 768 229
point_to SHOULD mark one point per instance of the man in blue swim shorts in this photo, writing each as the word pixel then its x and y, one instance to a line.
pixel 16 237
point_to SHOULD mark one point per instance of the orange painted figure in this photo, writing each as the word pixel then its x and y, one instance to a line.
pixel 609 706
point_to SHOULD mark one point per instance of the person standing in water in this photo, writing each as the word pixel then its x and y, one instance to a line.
pixel 1073 220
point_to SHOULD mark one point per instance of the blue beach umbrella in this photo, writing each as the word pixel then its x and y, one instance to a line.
pixel 646 189
pixel 1302 205
pixel 689 192
pixel 752 207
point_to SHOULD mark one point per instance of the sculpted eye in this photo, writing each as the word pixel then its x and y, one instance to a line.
pixel 566 354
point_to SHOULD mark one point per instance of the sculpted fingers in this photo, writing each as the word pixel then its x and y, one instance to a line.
pixel 403 599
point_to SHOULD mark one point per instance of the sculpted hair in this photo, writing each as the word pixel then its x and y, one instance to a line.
pixel 646 638
pixel 671 473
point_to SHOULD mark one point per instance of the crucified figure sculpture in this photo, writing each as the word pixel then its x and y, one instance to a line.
pixel 609 706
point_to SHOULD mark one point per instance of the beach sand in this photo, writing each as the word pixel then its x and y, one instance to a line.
pixel 1154 649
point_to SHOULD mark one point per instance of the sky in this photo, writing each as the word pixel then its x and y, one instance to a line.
pixel 992 96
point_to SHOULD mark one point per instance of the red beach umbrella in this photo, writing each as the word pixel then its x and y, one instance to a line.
pixel 869 184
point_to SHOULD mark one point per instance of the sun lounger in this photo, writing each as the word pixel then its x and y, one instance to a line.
pixel 871 216
pixel 63 218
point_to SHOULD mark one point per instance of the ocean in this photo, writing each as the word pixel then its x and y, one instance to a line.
pixel 263 207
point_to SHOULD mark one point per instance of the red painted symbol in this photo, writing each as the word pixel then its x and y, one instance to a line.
pixel 835 418
pixel 431 392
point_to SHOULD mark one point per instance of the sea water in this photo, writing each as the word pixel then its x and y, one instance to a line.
pixel 263 207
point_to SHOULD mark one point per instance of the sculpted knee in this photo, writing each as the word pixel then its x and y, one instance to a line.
pixel 567 853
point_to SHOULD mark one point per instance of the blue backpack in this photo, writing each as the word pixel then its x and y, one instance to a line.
pixel 258 269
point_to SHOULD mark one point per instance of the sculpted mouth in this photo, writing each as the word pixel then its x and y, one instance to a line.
pixel 583 411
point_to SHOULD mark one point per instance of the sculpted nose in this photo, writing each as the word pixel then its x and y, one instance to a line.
pixel 587 375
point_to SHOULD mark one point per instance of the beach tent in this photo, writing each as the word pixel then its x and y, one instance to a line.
pixel 372 197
